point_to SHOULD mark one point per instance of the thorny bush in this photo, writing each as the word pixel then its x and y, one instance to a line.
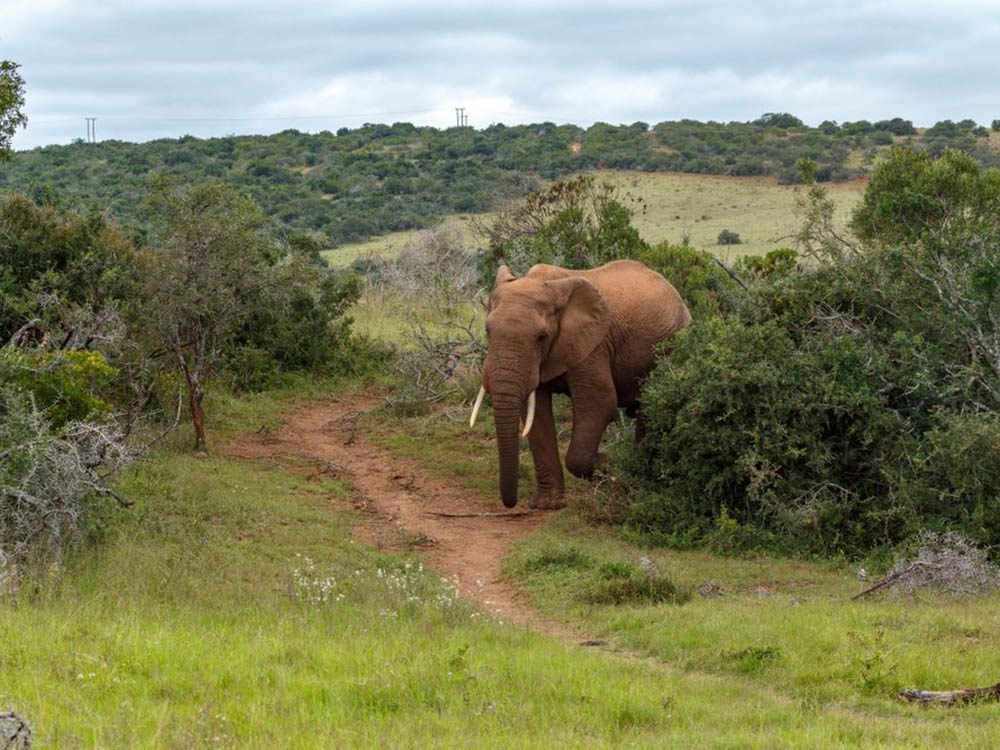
pixel 847 401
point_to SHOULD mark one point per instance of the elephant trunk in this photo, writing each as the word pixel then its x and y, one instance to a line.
pixel 507 418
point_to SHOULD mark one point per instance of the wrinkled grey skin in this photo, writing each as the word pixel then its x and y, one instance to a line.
pixel 591 334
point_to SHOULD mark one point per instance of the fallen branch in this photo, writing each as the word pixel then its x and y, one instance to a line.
pixel 951 697
pixel 498 514
pixel 894 578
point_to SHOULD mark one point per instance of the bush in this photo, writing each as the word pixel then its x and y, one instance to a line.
pixel 704 285
pixel 620 583
pixel 52 477
pixel 743 417
pixel 848 404
pixel 726 237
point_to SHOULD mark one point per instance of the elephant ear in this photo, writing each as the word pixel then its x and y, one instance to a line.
pixel 504 275
pixel 584 319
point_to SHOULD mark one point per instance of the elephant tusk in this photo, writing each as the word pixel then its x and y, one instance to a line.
pixel 530 418
pixel 479 403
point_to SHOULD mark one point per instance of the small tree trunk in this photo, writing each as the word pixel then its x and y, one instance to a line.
pixel 198 417
pixel 195 396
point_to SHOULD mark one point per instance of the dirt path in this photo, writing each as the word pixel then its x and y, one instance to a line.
pixel 462 534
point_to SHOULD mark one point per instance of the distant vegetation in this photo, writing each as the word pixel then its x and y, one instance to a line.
pixel 378 178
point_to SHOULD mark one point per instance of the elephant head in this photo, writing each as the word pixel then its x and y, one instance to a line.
pixel 537 329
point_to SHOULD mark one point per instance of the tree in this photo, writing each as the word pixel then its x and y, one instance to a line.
pixel 11 104
pixel 203 281
pixel 576 223
pixel 729 237
pixel 778 120
pixel 934 221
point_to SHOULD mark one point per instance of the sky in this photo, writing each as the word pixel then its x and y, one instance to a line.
pixel 165 68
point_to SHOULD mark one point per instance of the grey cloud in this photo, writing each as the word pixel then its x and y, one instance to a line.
pixel 706 60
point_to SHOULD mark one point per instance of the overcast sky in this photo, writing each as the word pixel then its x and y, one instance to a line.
pixel 165 68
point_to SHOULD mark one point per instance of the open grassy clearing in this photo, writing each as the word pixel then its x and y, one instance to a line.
pixel 232 608
pixel 395 318
pixel 390 245
pixel 760 210
pixel 780 628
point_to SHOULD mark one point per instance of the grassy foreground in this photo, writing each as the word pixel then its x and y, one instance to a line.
pixel 233 609
pixel 772 652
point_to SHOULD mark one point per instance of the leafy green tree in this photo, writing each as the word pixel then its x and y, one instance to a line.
pixel 778 120
pixel 12 116
pixel 212 265
pixel 576 223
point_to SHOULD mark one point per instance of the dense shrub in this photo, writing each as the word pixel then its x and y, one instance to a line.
pixel 849 402
pixel 57 444
pixel 380 178
pixel 704 285
pixel 575 223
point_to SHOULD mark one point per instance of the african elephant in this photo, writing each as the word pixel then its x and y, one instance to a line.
pixel 590 334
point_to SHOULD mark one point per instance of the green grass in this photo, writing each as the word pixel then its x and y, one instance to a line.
pixel 232 608
pixel 389 316
pixel 783 637
pixel 790 623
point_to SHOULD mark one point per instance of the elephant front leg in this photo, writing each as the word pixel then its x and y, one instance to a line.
pixel 545 452
pixel 595 406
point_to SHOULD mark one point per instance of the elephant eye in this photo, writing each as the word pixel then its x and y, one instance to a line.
pixel 541 336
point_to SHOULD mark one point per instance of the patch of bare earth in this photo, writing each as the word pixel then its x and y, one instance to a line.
pixel 462 534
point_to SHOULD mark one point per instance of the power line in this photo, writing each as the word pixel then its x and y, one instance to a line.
pixel 265 118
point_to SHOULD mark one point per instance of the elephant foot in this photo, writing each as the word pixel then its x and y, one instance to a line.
pixel 550 500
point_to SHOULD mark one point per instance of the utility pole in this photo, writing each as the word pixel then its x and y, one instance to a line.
pixel 91 129
pixel 460 118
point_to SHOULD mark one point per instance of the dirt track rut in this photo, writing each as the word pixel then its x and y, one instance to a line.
pixel 465 535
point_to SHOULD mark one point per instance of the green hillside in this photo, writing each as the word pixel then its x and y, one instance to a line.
pixel 361 183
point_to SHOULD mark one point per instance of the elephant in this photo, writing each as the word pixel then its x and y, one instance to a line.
pixel 591 334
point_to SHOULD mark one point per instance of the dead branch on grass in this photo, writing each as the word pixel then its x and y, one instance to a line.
pixel 947 562
pixel 965 696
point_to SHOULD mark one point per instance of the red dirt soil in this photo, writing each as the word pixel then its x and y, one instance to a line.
pixel 462 534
